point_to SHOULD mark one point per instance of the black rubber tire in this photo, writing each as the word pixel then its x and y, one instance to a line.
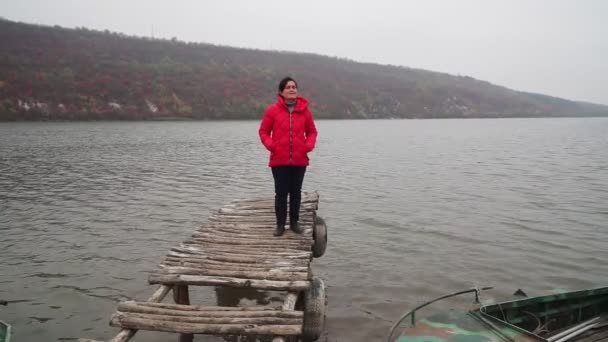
pixel 315 301
pixel 319 234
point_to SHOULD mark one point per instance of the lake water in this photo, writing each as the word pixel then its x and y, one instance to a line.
pixel 415 208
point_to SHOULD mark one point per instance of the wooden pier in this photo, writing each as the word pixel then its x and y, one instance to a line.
pixel 236 248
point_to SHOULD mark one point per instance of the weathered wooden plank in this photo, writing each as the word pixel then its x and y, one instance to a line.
pixel 235 231
pixel 243 259
pixel 218 320
pixel 245 251
pixel 202 307
pixel 234 248
pixel 126 334
pixel 196 246
pixel 126 321
pixel 174 279
pixel 182 297
pixel 206 250
pixel 257 212
pixel 282 276
pixel 134 307
pixel 220 239
pixel 215 242
pixel 288 305
pixel 251 219
pixel 229 267
pixel 267 263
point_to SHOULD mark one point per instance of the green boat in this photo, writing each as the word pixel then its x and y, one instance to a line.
pixel 5 332
pixel 580 316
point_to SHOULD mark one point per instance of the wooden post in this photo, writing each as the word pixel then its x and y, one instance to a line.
pixel 181 296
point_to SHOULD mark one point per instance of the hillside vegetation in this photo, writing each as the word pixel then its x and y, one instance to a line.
pixel 53 73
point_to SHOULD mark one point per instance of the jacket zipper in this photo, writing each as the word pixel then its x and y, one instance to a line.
pixel 290 138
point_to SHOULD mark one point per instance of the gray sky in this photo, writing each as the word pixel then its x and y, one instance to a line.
pixel 554 47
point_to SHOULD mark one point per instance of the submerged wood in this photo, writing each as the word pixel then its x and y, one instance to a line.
pixel 193 328
pixel 166 279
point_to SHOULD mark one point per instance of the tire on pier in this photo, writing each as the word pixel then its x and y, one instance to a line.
pixel 319 234
pixel 314 302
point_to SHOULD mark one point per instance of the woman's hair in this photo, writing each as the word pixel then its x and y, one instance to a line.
pixel 283 83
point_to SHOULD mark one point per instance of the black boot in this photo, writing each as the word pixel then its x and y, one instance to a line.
pixel 295 227
pixel 279 230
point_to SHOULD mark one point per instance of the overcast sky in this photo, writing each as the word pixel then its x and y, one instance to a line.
pixel 554 47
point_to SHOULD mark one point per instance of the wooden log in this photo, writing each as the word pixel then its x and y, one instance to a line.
pixel 218 320
pixel 258 214
pixel 270 199
pixel 234 250
pixel 249 225
pixel 192 258
pixel 181 296
pixel 256 236
pixel 218 242
pixel 251 219
pixel 134 307
pixel 256 240
pixel 267 252
pixel 211 329
pixel 282 276
pixel 203 265
pixel 203 307
pixel 221 242
pixel 257 233
pixel 244 259
pixel 126 334
pixel 247 228
pixel 177 279
pixel 212 250
pixel 197 246
pixel 236 267
pixel 288 305
pixel 205 250
pixel 305 196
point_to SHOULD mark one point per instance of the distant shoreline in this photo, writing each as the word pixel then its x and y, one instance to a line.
pixel 177 119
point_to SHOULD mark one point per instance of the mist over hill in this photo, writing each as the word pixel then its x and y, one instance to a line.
pixel 54 73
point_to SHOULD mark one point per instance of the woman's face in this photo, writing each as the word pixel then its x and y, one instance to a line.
pixel 290 92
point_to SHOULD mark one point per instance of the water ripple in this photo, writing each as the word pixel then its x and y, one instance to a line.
pixel 416 209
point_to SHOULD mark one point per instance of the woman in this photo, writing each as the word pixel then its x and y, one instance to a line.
pixel 288 131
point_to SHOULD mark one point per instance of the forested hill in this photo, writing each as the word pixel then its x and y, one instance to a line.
pixel 53 73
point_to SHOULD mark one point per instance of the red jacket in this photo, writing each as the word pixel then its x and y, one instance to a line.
pixel 288 137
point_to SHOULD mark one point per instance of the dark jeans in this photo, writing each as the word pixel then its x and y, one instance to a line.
pixel 288 181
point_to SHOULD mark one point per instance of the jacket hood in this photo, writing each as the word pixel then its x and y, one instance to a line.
pixel 301 103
